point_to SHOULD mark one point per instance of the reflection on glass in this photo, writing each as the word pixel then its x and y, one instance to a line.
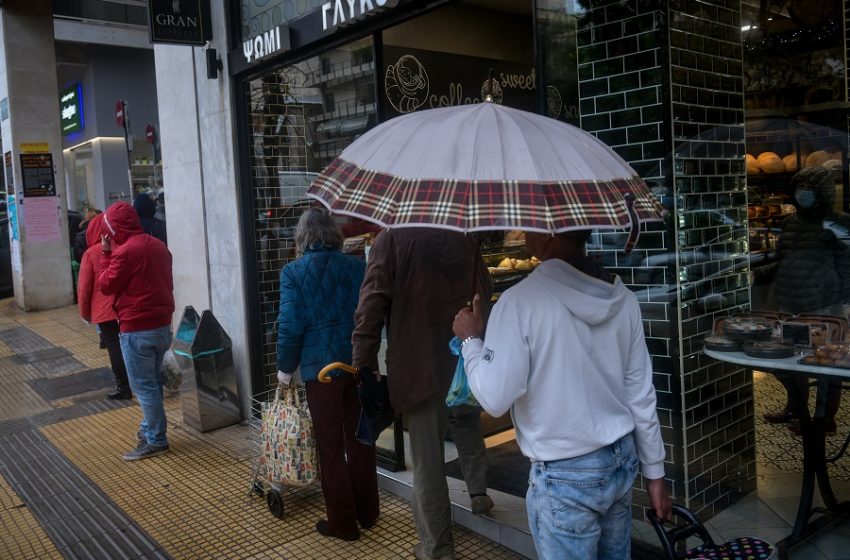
pixel 556 39
pixel 300 118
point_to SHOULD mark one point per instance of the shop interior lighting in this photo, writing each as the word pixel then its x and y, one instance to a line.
pixel 90 140
pixel 748 27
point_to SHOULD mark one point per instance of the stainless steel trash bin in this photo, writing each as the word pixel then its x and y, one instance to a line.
pixel 208 395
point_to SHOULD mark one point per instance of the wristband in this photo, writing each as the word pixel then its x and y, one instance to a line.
pixel 467 339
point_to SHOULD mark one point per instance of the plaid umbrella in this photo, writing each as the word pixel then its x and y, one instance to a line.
pixel 485 167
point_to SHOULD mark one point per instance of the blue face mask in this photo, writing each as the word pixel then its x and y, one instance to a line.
pixel 805 198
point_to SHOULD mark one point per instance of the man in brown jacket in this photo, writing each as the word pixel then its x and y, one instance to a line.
pixel 416 280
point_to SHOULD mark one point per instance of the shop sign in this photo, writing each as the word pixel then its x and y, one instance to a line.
pixel 37 175
pixel 417 79
pixel 265 44
pixel 71 107
pixel 343 12
pixel 184 22
pixel 33 147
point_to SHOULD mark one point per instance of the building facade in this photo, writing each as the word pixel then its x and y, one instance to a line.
pixel 714 103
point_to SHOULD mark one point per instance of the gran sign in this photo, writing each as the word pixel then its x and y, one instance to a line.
pixel 185 22
pixel 71 109
pixel 343 12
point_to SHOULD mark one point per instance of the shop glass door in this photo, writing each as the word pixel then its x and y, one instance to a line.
pixel 300 117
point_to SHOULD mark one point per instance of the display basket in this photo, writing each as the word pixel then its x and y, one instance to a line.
pixel 272 490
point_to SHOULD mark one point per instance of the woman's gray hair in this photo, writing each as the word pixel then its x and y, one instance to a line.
pixel 316 228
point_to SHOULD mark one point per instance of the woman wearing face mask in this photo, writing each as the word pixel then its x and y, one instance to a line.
pixel 813 272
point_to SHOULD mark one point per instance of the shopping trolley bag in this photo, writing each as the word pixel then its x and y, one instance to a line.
pixel 288 446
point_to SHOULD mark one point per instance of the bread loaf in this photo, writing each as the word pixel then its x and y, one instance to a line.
pixel 770 162
pixel 818 158
pixel 790 162
pixel 752 165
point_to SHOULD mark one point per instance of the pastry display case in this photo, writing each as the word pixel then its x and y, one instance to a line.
pixel 506 258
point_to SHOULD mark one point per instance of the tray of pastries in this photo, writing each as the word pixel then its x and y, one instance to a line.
pixel 747 328
pixel 722 344
pixel 767 349
pixel 834 354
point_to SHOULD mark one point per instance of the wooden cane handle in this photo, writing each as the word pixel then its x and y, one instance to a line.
pixel 323 374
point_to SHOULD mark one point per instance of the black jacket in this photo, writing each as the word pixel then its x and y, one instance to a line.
pixel 813 274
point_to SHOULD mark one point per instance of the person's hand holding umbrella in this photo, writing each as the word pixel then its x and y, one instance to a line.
pixel 469 322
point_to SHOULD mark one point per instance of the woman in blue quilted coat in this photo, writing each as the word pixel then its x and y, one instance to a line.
pixel 318 297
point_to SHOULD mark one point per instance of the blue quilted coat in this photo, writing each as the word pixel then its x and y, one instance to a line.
pixel 318 297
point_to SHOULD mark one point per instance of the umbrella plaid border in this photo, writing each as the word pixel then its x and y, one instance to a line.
pixel 465 205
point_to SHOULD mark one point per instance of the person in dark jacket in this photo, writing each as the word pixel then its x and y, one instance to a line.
pixel 318 296
pixel 136 269
pixel 416 280
pixel 80 238
pixel 98 308
pixel 813 270
pixel 145 207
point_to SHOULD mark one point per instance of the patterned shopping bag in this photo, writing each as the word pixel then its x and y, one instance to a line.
pixel 289 448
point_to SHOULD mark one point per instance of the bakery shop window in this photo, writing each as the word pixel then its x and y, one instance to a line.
pixel 300 117
pixel 796 163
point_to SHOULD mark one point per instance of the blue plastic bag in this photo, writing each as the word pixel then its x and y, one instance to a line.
pixel 459 392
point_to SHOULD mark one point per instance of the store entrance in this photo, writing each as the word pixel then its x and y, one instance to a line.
pixel 457 55
pixel 301 115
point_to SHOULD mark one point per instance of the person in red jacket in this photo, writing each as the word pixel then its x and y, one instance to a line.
pixel 136 269
pixel 97 307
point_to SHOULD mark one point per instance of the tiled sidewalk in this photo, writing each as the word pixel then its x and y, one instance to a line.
pixel 64 491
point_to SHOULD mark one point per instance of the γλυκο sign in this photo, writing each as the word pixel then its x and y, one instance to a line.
pixel 184 22
pixel 343 12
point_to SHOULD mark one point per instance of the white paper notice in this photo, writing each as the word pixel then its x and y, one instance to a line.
pixel 41 219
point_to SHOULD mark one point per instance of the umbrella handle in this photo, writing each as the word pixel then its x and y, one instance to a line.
pixel 323 373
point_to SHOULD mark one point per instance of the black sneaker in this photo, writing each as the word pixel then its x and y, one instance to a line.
pixel 120 395
pixel 144 451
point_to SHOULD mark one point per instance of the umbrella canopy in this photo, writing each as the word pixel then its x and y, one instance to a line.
pixel 484 167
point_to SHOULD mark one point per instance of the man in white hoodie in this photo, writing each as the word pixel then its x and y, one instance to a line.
pixel 565 352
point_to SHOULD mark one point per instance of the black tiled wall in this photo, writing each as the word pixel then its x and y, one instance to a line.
pixel 661 83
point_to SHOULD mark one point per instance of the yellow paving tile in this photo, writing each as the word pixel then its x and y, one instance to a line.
pixel 21 537
pixel 194 501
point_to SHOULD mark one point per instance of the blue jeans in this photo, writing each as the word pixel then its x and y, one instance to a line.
pixel 580 508
pixel 143 352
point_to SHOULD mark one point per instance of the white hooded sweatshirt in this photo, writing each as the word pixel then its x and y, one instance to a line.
pixel 566 353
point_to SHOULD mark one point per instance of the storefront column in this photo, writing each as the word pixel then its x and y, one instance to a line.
pixel 199 178
pixel 41 262
pixel 661 82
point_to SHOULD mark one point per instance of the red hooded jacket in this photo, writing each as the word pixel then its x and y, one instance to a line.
pixel 137 271
pixel 95 306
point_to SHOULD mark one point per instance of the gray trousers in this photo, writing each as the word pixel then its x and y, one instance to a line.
pixel 426 424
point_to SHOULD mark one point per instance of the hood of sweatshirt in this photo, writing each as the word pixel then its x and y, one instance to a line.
pixel 592 300
pixel 120 221
pixel 94 229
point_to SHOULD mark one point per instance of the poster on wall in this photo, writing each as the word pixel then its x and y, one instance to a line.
pixel 37 175
pixel 12 209
pixel 41 220
pixel 15 249
pixel 416 79
pixel 10 177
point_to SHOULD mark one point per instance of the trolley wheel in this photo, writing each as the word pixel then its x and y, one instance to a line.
pixel 257 489
pixel 275 502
